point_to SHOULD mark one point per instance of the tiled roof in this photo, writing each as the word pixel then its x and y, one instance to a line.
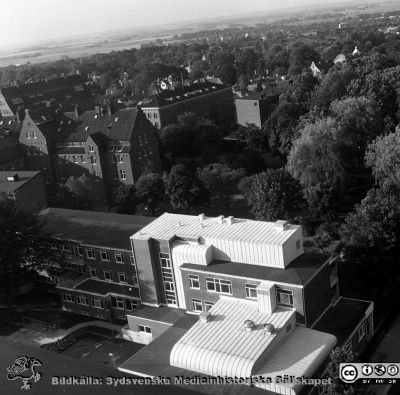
pixel 168 97
pixel 93 228
pixel 298 272
pixel 66 126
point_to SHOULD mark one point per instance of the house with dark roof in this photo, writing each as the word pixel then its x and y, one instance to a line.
pixel 208 100
pixel 26 188
pixel 66 91
pixel 113 145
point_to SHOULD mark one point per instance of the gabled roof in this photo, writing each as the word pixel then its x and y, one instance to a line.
pixel 23 177
pixel 68 127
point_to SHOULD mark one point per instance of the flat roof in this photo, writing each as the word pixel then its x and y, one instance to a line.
pixel 107 287
pixel 170 225
pixel 300 355
pixel 11 186
pixel 223 346
pixel 342 318
pixel 93 227
pixel 298 272
pixel 165 314
pixel 56 364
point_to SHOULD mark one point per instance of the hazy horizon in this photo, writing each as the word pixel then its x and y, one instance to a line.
pixel 38 20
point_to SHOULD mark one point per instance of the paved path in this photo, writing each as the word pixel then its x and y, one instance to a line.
pixel 387 351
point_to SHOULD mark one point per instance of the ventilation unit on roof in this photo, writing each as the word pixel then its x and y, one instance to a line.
pixel 221 219
pixel 269 328
pixel 86 128
pixel 280 225
pixel 116 119
pixel 249 325
pixel 205 316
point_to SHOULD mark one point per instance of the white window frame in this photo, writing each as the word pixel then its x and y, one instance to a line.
pixel 197 305
pixel 122 274
pixel 132 259
pixel 165 260
pixel 66 247
pixel 249 288
pixel 144 329
pixel 106 254
pixel 208 305
pixel 217 285
pixel 90 255
pixel 82 300
pixel 68 298
pixel 120 300
pixel 288 293
pixel 91 148
pixel 97 303
pixel 120 258
pixel 192 280
pixel 123 174
pixel 104 274
pixel 91 270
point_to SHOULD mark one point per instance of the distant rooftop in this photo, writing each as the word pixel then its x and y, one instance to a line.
pixel 92 227
pixel 191 227
pixel 181 94
pixel 164 314
pixel 22 178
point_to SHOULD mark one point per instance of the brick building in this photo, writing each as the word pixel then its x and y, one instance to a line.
pixel 213 101
pixel 97 275
pixel 66 91
pixel 26 188
pixel 115 146
pixel 184 282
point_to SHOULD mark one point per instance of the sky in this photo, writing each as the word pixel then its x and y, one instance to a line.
pixel 34 20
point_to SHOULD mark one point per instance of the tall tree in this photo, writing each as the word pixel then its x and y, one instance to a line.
pixel 220 179
pixel 272 195
pixel 150 190
pixel 383 157
pixel 22 247
pixel 184 190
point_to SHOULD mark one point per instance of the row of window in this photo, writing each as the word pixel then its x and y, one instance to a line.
pixel 122 277
pixel 104 255
pixel 283 296
pixel 198 306
pixel 34 135
pixel 97 303
pixel 117 302
pixel 121 175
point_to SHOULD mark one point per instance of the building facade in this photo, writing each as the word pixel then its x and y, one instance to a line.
pixel 114 146
pixel 182 283
pixel 213 101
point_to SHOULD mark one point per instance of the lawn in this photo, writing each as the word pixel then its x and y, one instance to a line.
pixel 96 348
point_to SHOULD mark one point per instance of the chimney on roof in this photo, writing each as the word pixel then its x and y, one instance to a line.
pixel 13 178
pixel 77 111
pixel 62 75
pixel 47 103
